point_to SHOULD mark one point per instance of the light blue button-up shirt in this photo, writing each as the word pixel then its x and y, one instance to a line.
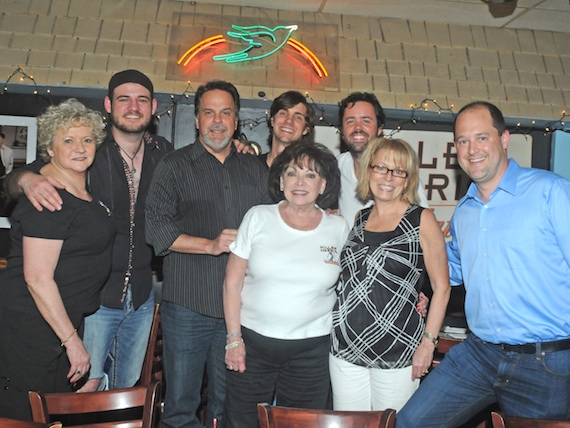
pixel 513 255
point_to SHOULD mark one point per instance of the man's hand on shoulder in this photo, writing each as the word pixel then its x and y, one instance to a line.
pixel 245 148
pixel 41 191
pixel 222 243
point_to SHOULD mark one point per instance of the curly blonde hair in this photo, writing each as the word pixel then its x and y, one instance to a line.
pixel 404 157
pixel 68 114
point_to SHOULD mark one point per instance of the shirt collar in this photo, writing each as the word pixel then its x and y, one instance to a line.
pixel 507 184
pixel 147 138
pixel 199 150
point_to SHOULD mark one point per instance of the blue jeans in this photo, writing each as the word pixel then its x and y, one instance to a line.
pixel 192 342
pixel 475 374
pixel 120 335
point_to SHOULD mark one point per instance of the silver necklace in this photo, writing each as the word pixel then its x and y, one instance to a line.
pixel 133 170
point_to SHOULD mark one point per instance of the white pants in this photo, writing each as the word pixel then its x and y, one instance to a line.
pixel 360 388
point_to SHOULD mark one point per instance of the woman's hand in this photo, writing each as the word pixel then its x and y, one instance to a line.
pixel 233 284
pixel 423 305
pixel 435 257
pixel 423 357
pixel 40 259
pixel 78 359
pixel 235 357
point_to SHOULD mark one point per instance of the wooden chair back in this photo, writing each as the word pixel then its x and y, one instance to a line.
pixel 287 417
pixel 443 347
pixel 13 423
pixel 152 364
pixel 101 405
pixel 500 421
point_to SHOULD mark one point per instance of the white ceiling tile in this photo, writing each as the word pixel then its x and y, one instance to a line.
pixel 553 15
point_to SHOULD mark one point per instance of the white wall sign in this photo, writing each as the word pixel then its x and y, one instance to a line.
pixel 442 179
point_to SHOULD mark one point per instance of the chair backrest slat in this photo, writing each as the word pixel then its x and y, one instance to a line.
pixel 502 421
pixel 145 397
pixel 13 423
pixel 285 417
pixel 74 403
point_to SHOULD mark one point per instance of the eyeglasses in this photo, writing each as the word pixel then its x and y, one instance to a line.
pixel 382 170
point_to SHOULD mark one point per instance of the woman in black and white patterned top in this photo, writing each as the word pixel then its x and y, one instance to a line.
pixel 380 344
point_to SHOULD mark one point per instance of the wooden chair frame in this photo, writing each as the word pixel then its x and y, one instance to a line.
pixel 284 417
pixel 72 403
pixel 152 364
pixel 500 421
pixel 13 423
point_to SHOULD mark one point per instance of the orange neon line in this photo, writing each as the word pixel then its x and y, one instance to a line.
pixel 200 46
pixel 214 40
pixel 197 51
pixel 307 53
pixel 308 58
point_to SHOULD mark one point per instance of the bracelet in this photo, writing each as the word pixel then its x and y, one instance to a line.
pixel 230 335
pixel 430 337
pixel 63 342
pixel 233 344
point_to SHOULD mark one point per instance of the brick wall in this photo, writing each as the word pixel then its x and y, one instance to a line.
pixel 81 43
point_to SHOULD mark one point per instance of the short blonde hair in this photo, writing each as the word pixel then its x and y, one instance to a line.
pixel 404 157
pixel 68 114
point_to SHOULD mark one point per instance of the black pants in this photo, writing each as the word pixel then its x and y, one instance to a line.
pixel 294 372
pixel 31 358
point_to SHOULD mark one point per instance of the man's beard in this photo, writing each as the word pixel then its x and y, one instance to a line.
pixel 130 129
pixel 357 148
pixel 216 145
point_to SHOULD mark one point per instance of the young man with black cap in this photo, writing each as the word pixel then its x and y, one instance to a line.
pixel 120 178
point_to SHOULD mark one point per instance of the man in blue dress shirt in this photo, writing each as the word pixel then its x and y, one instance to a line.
pixel 511 249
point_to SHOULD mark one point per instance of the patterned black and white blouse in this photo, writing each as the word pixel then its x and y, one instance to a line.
pixel 376 323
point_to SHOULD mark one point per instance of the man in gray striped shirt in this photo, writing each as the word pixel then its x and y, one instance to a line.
pixel 198 197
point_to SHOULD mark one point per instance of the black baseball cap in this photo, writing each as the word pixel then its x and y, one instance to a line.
pixel 130 76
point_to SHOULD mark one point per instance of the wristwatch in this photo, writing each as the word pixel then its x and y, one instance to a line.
pixel 431 338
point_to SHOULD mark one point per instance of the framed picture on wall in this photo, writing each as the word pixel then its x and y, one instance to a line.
pixel 21 136
pixel 21 139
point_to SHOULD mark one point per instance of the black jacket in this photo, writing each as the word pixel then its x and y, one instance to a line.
pixel 108 183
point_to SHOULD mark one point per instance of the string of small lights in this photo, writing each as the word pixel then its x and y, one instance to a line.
pixel 254 122
pixel 423 106
pixel 188 92
pixel 559 125
pixel 25 76
pixel 416 110
pixel 414 118
pixel 321 111
pixel 175 99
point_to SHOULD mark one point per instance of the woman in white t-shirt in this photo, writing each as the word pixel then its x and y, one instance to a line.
pixel 280 289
